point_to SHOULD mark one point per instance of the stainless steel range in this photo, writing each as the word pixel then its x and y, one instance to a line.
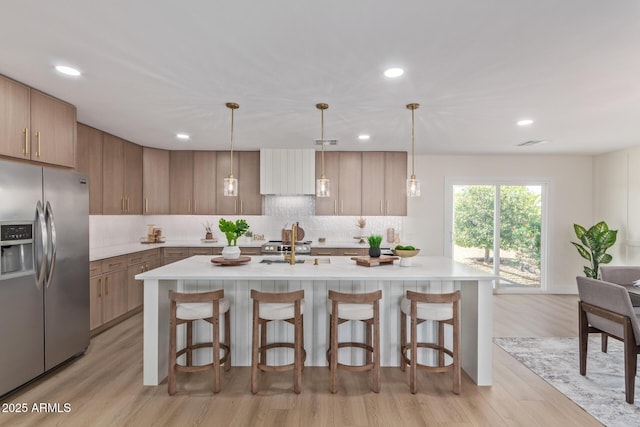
pixel 276 247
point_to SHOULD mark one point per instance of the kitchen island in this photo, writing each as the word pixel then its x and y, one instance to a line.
pixel 427 274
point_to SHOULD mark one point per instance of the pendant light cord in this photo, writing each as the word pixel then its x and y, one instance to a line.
pixel 322 139
pixel 231 163
pixel 413 174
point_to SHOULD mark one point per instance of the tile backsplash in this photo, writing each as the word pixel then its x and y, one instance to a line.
pixel 280 211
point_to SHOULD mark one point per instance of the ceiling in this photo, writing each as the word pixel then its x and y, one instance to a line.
pixel 151 69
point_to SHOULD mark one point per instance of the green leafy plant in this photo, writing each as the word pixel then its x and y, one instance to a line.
pixel 595 242
pixel 233 230
pixel 374 240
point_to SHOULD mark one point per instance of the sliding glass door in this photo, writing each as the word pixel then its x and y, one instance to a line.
pixel 498 227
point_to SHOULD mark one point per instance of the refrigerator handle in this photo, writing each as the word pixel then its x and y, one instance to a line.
pixel 51 255
pixel 39 264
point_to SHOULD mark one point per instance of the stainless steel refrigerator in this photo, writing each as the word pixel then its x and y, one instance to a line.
pixel 44 270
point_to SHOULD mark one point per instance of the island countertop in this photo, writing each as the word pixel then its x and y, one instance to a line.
pixel 200 267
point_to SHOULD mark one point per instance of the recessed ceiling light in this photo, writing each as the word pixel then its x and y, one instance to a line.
pixel 394 72
pixel 182 136
pixel 364 137
pixel 69 71
pixel 524 122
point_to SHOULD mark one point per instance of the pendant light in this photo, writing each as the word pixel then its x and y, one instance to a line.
pixel 231 183
pixel 413 184
pixel 322 184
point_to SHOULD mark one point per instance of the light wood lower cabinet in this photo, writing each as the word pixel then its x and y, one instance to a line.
pixel 108 293
pixel 170 255
pixel 339 251
pixel 139 262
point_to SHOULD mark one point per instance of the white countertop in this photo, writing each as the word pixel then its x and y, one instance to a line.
pixel 199 267
pixel 129 248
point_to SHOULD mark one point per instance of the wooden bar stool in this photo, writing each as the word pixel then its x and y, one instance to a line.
pixel 187 308
pixel 289 307
pixel 364 307
pixel 443 308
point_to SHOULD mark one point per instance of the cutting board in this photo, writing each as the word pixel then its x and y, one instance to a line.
pixel 227 262
pixel 367 261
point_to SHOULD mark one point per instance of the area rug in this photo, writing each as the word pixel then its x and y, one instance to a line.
pixel 600 392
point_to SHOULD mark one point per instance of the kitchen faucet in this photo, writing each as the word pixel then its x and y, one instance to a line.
pixel 291 257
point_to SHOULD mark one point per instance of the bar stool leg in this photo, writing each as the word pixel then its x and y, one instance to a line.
pixel 297 380
pixel 189 343
pixel 216 354
pixel 368 329
pixel 441 343
pixel 227 337
pixel 403 339
pixel 376 349
pixel 456 354
pixel 254 350
pixel 413 366
pixel 333 353
pixel 172 357
pixel 263 342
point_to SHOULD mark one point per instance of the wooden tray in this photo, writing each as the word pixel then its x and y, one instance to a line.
pixel 227 262
pixel 367 261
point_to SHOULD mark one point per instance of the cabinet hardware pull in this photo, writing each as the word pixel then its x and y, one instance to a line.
pixel 341 206
pixel 325 253
pixel 381 210
pixel 188 205
pixel 127 199
pixel 25 151
pixel 194 206
pixel 99 288
pixel 235 206
pixel 38 137
pixel 146 205
pixel 122 204
pixel 387 207
pixel 335 206
pixel 106 285
pixel 350 253
pixel 142 268
pixel 241 207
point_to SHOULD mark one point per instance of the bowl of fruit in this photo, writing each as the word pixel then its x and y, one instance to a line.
pixel 405 253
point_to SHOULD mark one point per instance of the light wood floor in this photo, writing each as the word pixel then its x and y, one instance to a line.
pixel 104 388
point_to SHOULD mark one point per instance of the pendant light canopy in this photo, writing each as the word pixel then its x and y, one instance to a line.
pixel 413 184
pixel 231 183
pixel 322 184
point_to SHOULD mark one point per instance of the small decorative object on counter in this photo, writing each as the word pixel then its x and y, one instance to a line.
pixel 232 230
pixel 405 253
pixel 208 230
pixel 374 245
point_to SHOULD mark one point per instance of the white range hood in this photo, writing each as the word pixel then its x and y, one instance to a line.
pixel 287 172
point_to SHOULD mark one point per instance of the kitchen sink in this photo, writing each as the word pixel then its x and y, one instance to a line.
pixel 280 261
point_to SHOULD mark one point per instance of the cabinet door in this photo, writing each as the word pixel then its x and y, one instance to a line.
pixel 181 182
pixel 170 255
pixel 135 288
pixel 14 119
pixel 89 162
pixel 156 181
pixel 204 182
pixel 395 173
pixel 133 178
pixel 95 302
pixel 53 130
pixel 112 175
pixel 114 295
pixel 226 205
pixel 373 183
pixel 200 251
pixel 350 185
pixel 328 205
pixel 249 186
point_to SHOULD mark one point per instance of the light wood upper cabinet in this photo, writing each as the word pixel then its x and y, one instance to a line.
pixel 14 119
pixel 155 181
pixel 344 171
pixel 121 176
pixel 384 177
pixel 35 126
pixel 181 182
pixel 89 162
pixel 246 167
pixel 204 182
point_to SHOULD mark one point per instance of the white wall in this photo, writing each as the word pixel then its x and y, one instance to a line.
pixel 570 200
pixel 617 201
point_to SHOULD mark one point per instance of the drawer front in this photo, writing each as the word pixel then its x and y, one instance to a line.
pixel 151 254
pixel 175 252
pixel 352 251
pixel 114 264
pixel 200 251
pixel 249 250
pixel 95 268
pixel 323 251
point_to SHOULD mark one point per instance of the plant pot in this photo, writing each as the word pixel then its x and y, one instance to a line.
pixel 208 236
pixel 231 252
pixel 374 252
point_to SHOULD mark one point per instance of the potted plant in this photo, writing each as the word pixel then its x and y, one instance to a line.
pixel 232 230
pixel 374 245
pixel 596 241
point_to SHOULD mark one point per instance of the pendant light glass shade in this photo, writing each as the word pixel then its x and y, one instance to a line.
pixel 413 184
pixel 231 183
pixel 323 186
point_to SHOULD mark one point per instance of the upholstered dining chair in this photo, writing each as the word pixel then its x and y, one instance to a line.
pixel 606 308
pixel 623 275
